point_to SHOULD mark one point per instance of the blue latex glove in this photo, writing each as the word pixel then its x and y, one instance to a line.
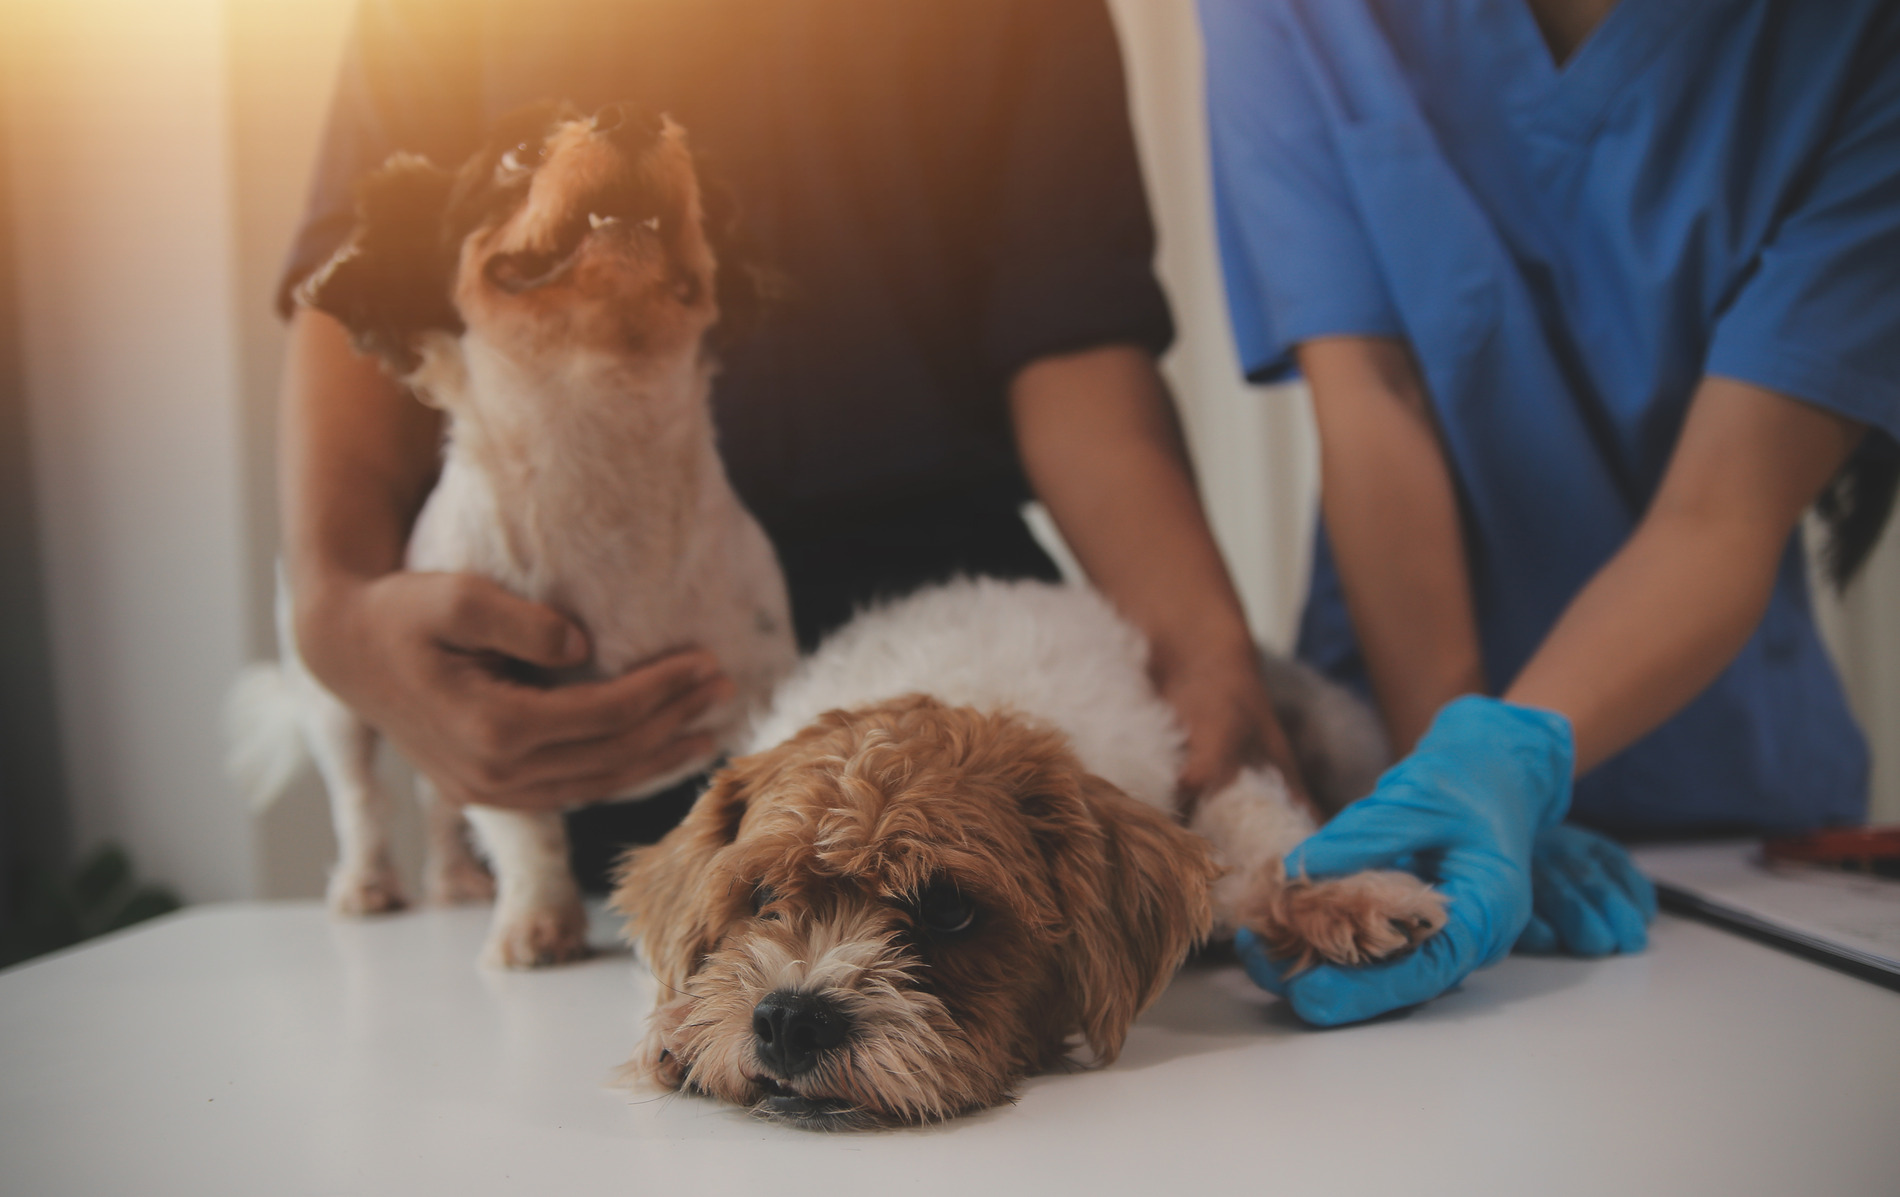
pixel 1587 899
pixel 1463 810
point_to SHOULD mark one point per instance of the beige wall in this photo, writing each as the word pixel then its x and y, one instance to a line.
pixel 121 174
pixel 1254 447
pixel 281 56
pixel 158 159
pixel 1863 629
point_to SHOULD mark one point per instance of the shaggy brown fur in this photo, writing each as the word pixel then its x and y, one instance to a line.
pixel 805 867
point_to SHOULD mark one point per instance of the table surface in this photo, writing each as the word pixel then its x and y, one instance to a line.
pixel 266 1049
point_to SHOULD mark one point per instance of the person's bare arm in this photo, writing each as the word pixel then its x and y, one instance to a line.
pixel 1102 446
pixel 1683 595
pixel 1392 515
pixel 413 653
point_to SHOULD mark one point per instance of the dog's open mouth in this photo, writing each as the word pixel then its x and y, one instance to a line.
pixel 527 269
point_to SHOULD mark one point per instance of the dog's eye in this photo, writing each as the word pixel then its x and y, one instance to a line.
pixel 943 910
pixel 523 157
pixel 763 897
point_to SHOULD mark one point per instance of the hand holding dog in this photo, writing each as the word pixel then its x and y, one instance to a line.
pixel 1466 808
pixel 422 657
pixel 1229 720
pixel 1103 448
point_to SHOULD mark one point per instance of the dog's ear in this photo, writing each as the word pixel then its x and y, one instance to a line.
pixel 667 892
pixel 392 281
pixel 748 287
pixel 1134 888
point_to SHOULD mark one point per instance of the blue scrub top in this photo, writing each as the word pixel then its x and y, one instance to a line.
pixel 1706 187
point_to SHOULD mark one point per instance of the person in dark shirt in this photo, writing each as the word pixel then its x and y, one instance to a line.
pixel 949 191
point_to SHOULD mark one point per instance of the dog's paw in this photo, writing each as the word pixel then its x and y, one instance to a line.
pixel 1342 920
pixel 372 889
pixel 537 937
pixel 461 882
pixel 655 1065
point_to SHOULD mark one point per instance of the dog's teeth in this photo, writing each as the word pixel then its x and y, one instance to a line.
pixel 596 221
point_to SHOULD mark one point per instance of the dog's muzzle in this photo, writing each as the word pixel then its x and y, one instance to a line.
pixel 633 130
pixel 792 1031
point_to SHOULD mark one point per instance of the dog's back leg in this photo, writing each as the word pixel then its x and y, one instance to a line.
pixel 452 874
pixel 538 914
pixel 1336 736
pixel 344 748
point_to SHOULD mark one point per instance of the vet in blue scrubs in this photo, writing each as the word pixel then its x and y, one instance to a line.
pixel 1705 187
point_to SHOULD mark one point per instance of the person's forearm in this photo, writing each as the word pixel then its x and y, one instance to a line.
pixel 1392 516
pixel 1103 449
pixel 1660 621
pixel 1102 446
pixel 1681 598
pixel 358 456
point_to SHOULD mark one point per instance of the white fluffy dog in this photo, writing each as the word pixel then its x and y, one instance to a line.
pixel 553 298
pixel 952 851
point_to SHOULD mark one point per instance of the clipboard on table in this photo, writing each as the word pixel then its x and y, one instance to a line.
pixel 1846 920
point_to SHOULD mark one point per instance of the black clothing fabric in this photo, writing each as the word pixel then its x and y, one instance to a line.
pixel 947 188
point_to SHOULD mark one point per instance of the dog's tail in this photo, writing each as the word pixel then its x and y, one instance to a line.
pixel 264 744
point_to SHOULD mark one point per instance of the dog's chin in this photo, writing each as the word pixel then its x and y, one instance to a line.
pixel 778 1102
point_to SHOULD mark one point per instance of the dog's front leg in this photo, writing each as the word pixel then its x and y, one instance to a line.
pixel 538 915
pixel 1355 919
pixel 452 875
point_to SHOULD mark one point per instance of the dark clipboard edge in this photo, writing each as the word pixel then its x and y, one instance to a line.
pixel 1682 901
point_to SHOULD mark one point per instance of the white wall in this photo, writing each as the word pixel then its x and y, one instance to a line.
pixel 1254 447
pixel 158 156
pixel 282 56
pixel 121 176
pixel 1863 629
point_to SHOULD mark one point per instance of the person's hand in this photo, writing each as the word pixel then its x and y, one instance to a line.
pixel 426 658
pixel 1228 717
pixel 1587 899
pixel 1464 811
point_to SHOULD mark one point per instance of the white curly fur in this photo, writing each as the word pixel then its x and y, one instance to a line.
pixel 1062 655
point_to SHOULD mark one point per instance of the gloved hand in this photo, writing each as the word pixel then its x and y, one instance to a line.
pixel 1587 899
pixel 1464 811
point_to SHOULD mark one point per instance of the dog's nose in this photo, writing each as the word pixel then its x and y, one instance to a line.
pixel 630 128
pixel 791 1030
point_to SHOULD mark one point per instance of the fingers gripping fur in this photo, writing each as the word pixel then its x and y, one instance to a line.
pixel 1343 920
pixel 1135 889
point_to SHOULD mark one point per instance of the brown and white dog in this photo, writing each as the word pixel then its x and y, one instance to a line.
pixel 951 854
pixel 553 297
